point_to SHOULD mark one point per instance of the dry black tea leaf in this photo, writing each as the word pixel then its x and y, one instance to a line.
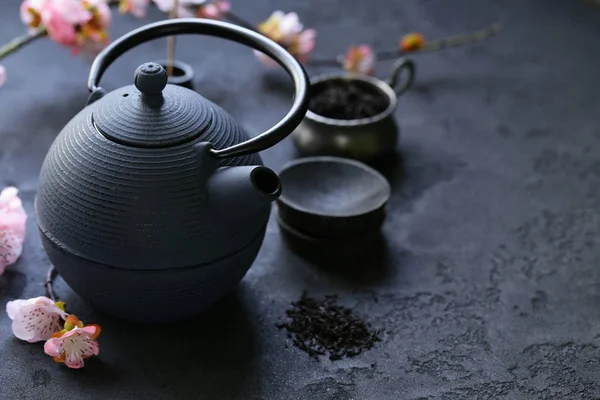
pixel 322 327
pixel 347 100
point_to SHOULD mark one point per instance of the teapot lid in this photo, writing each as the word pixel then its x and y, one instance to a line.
pixel 150 113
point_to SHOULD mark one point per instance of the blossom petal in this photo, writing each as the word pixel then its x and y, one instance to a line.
pixel 360 59
pixel 11 248
pixel 2 75
pixel 8 196
pixel 209 11
pixel 93 330
pixel 66 12
pixel 288 31
pixel 30 12
pixel 34 323
pixel 290 25
pixel 223 6
pixel 306 41
pixel 277 15
pixel 35 319
pixel 74 346
pixel 60 23
pixel 13 307
pixel 75 23
pixel 136 7
pixel 13 226
pixel 104 14
pixel 53 347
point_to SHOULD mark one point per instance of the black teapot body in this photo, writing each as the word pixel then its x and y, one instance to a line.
pixel 152 202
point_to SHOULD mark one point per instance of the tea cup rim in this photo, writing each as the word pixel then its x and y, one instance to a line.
pixel 379 83
pixel 300 210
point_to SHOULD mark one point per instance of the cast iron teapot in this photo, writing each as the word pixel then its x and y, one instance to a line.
pixel 152 202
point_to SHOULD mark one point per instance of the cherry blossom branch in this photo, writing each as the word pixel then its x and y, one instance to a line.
pixel 23 40
pixel 440 44
pixel 84 26
pixel 20 42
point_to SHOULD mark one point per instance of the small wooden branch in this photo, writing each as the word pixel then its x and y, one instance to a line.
pixel 20 42
pixel 49 283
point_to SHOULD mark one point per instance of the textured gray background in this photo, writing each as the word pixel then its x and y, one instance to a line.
pixel 491 286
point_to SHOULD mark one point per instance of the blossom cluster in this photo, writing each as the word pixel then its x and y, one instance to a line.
pixel 288 31
pixel 82 26
pixel 76 24
pixel 37 319
pixel 67 339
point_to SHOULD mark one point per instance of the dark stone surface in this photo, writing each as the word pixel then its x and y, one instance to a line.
pixel 491 285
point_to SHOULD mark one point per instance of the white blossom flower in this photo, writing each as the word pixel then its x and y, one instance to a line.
pixel 35 319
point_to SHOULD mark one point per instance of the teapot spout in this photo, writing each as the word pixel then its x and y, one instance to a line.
pixel 244 191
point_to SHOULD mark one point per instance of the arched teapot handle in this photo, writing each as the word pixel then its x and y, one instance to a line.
pixel 223 30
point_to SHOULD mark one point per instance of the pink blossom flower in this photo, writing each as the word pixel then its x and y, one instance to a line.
pixel 2 77
pixel 35 319
pixel 214 10
pixel 359 59
pixel 287 30
pixel 76 23
pixel 304 45
pixel 31 13
pixel 13 226
pixel 135 7
pixel 74 344
pixel 62 17
pixel 282 28
pixel 95 30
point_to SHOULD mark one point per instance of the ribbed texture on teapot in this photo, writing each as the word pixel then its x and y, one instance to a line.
pixel 138 208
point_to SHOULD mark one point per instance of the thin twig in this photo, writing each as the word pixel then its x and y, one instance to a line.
pixel 460 40
pixel 440 44
pixel 20 42
pixel 49 283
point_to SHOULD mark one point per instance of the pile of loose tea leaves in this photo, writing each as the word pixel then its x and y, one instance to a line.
pixel 347 100
pixel 321 327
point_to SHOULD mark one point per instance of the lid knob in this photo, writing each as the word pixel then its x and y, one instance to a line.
pixel 150 79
